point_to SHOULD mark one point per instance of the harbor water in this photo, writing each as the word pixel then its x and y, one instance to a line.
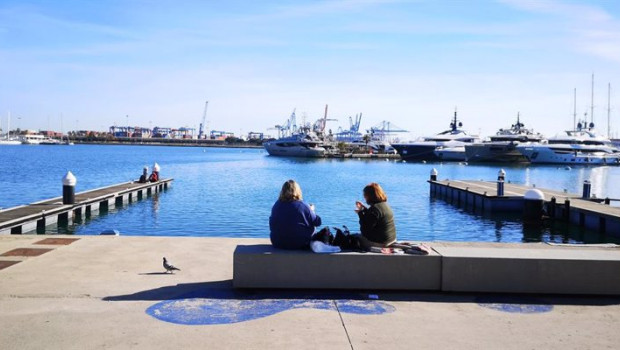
pixel 229 192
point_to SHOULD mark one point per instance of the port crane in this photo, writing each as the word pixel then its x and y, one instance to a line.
pixel 201 130
pixel 383 130
pixel 288 128
pixel 319 125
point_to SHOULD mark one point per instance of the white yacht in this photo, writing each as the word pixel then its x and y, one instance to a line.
pixel 579 146
pixel 9 140
pixel 36 139
pixel 502 147
pixel 304 141
pixel 447 145
pixel 31 139
pixel 297 145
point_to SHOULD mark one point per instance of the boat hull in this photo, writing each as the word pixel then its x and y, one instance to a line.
pixel 416 152
pixel 283 150
pixel 494 153
pixel 451 154
pixel 10 143
pixel 546 155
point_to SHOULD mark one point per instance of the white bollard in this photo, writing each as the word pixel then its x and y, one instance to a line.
pixel 68 188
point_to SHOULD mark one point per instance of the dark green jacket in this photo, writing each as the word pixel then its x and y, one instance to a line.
pixel 377 223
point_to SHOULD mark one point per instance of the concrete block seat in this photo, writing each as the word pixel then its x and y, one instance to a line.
pixel 552 270
pixel 263 266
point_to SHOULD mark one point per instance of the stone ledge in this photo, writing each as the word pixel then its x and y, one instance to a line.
pixel 549 271
pixel 452 268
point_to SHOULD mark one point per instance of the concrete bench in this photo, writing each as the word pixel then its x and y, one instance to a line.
pixel 452 267
pixel 263 266
pixel 530 270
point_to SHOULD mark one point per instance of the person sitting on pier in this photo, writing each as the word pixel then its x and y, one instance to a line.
pixel 292 221
pixel 377 221
pixel 144 176
pixel 154 176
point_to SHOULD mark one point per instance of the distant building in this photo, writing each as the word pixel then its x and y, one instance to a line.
pixel 255 135
pixel 50 133
pixel 221 135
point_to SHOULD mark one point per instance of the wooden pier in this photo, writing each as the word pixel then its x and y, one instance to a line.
pixel 38 215
pixel 570 207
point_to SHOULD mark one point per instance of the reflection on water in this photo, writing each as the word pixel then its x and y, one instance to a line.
pixel 509 226
pixel 229 192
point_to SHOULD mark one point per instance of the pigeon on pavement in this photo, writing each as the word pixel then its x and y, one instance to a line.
pixel 169 267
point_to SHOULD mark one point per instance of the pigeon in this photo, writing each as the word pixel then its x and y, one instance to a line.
pixel 169 267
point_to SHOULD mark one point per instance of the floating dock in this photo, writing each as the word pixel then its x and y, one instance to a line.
pixel 365 156
pixel 574 208
pixel 38 215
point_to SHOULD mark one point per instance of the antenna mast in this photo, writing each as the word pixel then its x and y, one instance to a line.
pixel 592 103
pixel 575 110
pixel 608 109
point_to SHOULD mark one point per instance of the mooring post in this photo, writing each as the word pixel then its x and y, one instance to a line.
pixel 607 201
pixel 501 175
pixel 68 188
pixel 533 206
pixel 587 188
pixel 434 174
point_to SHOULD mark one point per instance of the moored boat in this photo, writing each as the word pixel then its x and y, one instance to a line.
pixel 297 145
pixel 502 147
pixel 9 140
pixel 303 141
pixel 447 145
pixel 579 146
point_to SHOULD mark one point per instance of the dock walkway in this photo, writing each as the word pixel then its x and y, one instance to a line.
pixel 102 292
pixel 571 207
pixel 37 215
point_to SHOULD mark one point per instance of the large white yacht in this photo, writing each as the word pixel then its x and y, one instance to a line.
pixel 297 145
pixel 502 147
pixel 31 139
pixel 36 139
pixel 447 145
pixel 305 141
pixel 579 146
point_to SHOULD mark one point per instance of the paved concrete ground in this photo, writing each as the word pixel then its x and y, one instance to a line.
pixel 94 294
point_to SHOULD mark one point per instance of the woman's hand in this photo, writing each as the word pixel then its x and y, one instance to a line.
pixel 359 206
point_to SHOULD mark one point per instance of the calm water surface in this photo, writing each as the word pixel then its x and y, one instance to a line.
pixel 229 192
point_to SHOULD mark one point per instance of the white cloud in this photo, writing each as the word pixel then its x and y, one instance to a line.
pixel 585 28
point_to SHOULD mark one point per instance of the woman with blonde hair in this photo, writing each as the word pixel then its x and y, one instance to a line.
pixel 377 221
pixel 292 221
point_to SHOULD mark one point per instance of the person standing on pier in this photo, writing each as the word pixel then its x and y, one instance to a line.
pixel 292 221
pixel 377 221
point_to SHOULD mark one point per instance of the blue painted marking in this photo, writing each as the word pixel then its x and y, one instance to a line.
pixel 224 307
pixel 521 305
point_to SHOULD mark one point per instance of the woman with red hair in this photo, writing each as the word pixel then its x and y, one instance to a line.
pixel 376 221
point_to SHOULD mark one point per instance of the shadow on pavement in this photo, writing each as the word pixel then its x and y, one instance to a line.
pixel 224 290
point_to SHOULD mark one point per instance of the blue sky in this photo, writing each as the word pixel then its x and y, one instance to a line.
pixel 409 62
